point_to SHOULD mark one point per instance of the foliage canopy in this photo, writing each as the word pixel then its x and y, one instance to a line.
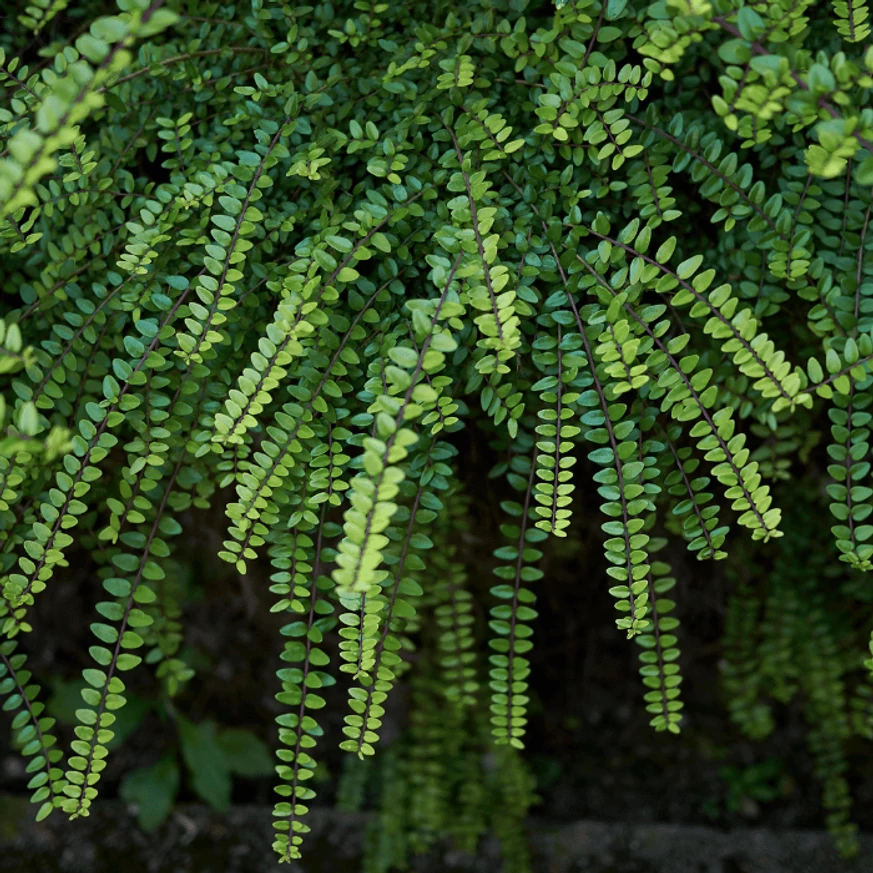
pixel 275 257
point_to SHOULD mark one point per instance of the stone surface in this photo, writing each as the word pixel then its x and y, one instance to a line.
pixel 199 841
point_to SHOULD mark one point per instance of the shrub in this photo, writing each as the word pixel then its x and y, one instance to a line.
pixel 275 258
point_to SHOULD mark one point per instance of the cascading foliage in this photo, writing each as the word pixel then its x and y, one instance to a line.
pixel 274 258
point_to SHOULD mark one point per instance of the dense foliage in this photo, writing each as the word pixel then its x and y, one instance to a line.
pixel 276 258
